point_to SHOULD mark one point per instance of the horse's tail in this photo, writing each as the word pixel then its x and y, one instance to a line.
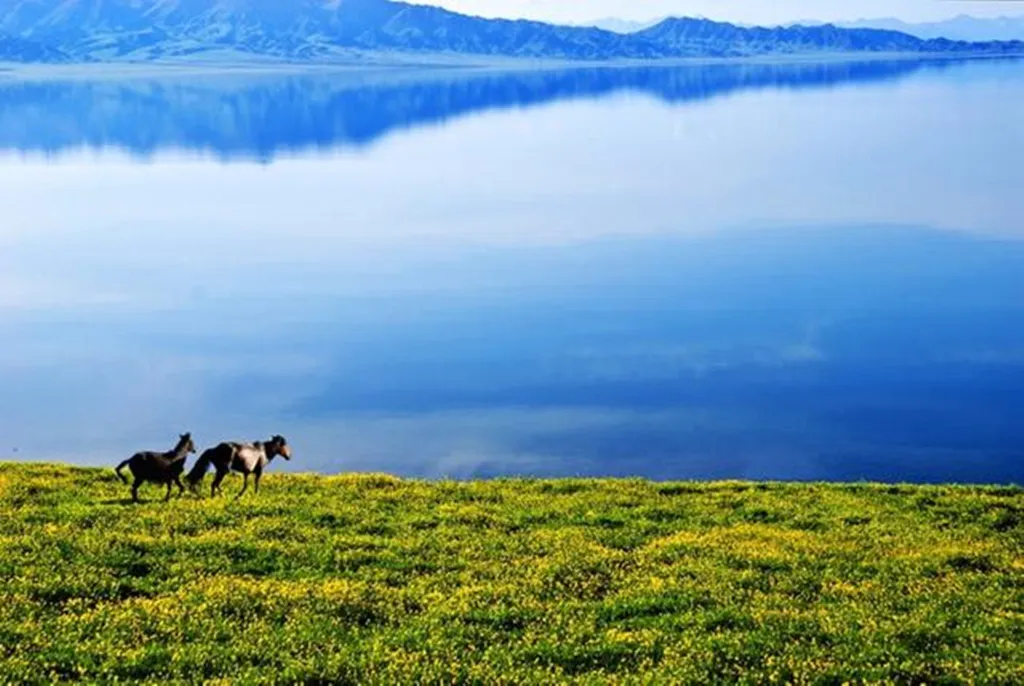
pixel 200 468
pixel 122 466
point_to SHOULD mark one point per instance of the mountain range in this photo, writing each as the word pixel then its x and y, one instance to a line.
pixel 616 25
pixel 16 49
pixel 325 30
pixel 962 27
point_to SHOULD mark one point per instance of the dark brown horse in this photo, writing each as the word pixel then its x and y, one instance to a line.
pixel 245 458
pixel 159 468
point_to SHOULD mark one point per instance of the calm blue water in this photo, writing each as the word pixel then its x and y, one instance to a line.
pixel 803 272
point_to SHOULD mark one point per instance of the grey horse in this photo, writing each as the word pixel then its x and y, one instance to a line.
pixel 245 458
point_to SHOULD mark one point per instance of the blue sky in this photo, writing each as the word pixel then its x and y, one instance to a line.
pixel 752 11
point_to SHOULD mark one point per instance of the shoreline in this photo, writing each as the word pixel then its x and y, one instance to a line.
pixel 1017 489
pixel 389 63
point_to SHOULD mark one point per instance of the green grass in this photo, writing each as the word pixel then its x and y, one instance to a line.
pixel 371 579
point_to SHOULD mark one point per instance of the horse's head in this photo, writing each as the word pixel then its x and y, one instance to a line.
pixel 279 446
pixel 185 443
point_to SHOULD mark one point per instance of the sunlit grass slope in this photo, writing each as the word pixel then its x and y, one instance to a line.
pixel 370 579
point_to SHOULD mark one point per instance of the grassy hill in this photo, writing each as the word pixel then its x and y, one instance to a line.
pixel 371 579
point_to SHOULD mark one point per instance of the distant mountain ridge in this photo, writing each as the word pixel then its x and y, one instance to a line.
pixel 323 30
pixel 962 27
pixel 623 26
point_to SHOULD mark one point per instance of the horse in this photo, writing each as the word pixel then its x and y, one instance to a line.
pixel 159 468
pixel 245 458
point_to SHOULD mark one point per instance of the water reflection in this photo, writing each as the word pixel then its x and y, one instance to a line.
pixel 696 357
pixel 264 116
pixel 714 357
pixel 818 283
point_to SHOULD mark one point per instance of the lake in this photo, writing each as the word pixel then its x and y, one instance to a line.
pixel 756 271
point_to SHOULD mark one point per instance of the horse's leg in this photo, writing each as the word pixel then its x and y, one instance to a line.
pixel 216 482
pixel 245 486
pixel 167 496
pixel 135 489
pixel 181 486
pixel 256 480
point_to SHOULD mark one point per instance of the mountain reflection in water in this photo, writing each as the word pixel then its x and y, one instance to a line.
pixel 262 116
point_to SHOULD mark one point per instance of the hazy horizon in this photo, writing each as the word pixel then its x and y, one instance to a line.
pixel 743 11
